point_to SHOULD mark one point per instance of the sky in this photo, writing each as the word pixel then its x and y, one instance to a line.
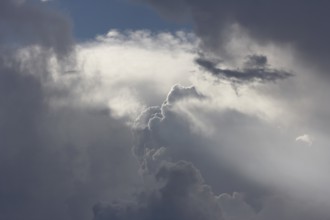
pixel 91 19
pixel 164 110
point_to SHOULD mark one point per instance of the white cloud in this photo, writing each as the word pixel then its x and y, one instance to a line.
pixel 140 64
pixel 305 139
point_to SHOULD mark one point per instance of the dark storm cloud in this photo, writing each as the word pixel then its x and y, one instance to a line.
pixel 55 162
pixel 300 23
pixel 255 69
pixel 24 161
pixel 24 23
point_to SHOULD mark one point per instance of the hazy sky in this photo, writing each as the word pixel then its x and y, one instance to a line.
pixel 164 110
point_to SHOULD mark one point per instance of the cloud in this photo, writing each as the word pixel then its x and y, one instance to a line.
pixel 138 66
pixel 236 207
pixel 239 139
pixel 234 150
pixel 305 139
pixel 279 22
pixel 53 157
pixel 26 24
pixel 72 128
pixel 65 143
pixel 256 70
pixel 182 194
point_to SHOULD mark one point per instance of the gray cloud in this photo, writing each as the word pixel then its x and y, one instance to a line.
pixel 236 207
pixel 182 195
pixel 56 161
pixel 301 24
pixel 24 23
pixel 56 164
pixel 255 69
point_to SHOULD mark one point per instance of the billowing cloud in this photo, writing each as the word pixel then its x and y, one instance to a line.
pixel 241 139
pixel 262 163
pixel 135 69
pixel 70 115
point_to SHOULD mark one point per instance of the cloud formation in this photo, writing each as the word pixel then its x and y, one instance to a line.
pixel 203 150
pixel 53 156
pixel 239 141
pixel 254 164
pixel 280 22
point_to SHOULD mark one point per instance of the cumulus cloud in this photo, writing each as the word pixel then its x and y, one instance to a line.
pixel 134 69
pixel 240 140
pixel 164 134
pixel 76 128
pixel 201 148
pixel 262 161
